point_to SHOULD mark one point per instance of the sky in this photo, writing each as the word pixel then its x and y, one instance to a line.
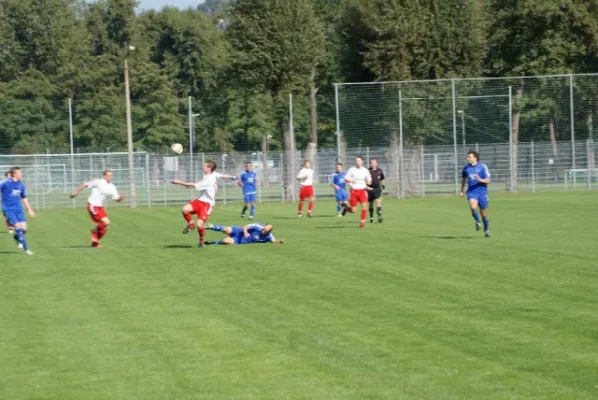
pixel 158 4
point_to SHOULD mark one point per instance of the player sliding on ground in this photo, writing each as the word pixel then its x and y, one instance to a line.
pixel 206 198
pixel 306 179
pixel 248 234
pixel 248 181
pixel 100 188
pixel 359 179
pixel 340 194
pixel 477 177
pixel 14 196
pixel 11 229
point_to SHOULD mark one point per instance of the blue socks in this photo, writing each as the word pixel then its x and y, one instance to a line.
pixel 476 216
pixel 243 210
pixel 252 211
pixel 485 224
pixel 339 208
pixel 20 237
pixel 217 228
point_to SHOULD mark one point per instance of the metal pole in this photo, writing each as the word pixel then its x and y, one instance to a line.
pixel 72 141
pixel 148 180
pixel 338 124
pixel 423 171
pixel 590 170
pixel 293 152
pixel 511 177
pixel 463 131
pixel 132 193
pixel 455 135
pixel 572 110
pixel 533 168
pixel 191 139
pixel 224 183
pixel 400 163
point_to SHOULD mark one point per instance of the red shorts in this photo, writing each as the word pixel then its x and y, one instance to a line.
pixel 358 196
pixel 96 213
pixel 306 192
pixel 202 209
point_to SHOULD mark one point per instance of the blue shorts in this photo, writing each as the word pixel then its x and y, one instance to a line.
pixel 237 234
pixel 341 195
pixel 249 197
pixel 15 217
pixel 481 197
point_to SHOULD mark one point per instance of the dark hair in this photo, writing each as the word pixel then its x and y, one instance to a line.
pixel 248 162
pixel 475 154
pixel 306 161
pixel 360 157
pixel 7 174
pixel 107 171
pixel 13 170
pixel 340 163
pixel 373 159
pixel 211 165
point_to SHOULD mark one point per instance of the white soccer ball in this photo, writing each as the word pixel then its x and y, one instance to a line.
pixel 177 148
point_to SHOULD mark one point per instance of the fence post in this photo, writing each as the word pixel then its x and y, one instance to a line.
pixel 282 172
pixel 533 167
pixel 293 148
pixel 455 134
pixel 72 143
pixel 400 174
pixel 572 111
pixel 423 171
pixel 338 124
pixel 224 184
pixel 191 138
pixel 148 180
pixel 590 170
pixel 511 178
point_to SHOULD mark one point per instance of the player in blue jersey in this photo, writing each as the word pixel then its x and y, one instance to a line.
pixel 10 228
pixel 247 234
pixel 248 181
pixel 14 196
pixel 477 177
pixel 340 193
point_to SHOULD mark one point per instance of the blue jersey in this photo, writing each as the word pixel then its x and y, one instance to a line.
pixel 12 193
pixel 470 171
pixel 248 180
pixel 256 236
pixel 338 179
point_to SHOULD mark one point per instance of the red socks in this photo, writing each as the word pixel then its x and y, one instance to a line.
pixel 202 232
pixel 101 230
pixel 310 206
pixel 363 214
pixel 300 206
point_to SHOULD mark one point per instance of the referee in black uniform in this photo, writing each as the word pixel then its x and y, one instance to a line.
pixel 375 195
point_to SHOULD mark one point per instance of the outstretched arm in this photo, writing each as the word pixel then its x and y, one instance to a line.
pixel 79 190
pixel 277 241
pixel 181 183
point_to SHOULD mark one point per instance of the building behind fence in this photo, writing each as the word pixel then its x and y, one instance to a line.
pixel 534 133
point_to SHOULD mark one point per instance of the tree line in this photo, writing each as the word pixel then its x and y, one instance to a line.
pixel 240 60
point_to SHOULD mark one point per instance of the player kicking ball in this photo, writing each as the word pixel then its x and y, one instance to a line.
pixel 359 180
pixel 248 234
pixel 477 177
pixel 100 188
pixel 14 196
pixel 206 198
pixel 10 228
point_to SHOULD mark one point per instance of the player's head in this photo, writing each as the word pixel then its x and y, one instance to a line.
pixel 209 167
pixel 373 163
pixel 473 157
pixel 268 228
pixel 8 174
pixel 339 167
pixel 307 164
pixel 16 173
pixel 359 161
pixel 249 166
pixel 108 176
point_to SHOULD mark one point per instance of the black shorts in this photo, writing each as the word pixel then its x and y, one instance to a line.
pixel 374 194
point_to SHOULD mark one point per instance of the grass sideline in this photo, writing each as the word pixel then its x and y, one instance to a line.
pixel 419 307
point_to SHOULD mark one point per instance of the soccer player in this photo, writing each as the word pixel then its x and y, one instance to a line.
pixel 477 177
pixel 206 198
pixel 306 179
pixel 359 179
pixel 248 181
pixel 377 186
pixel 338 183
pixel 10 228
pixel 100 188
pixel 248 234
pixel 14 195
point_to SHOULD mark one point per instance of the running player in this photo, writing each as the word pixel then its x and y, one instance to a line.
pixel 248 181
pixel 206 198
pixel 338 183
pixel 375 195
pixel 248 234
pixel 100 188
pixel 477 177
pixel 358 178
pixel 10 228
pixel 306 179
pixel 14 195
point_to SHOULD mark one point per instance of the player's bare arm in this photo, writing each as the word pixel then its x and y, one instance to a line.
pixel 79 190
pixel 277 241
pixel 482 180
pixel 181 183
pixel 119 199
pixel 28 207
pixel 301 177
pixel 246 231
pixel 463 182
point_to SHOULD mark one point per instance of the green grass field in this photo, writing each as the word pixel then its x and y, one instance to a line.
pixel 420 307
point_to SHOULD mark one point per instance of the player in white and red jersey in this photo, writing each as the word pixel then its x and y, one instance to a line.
pixel 306 179
pixel 359 180
pixel 100 188
pixel 206 198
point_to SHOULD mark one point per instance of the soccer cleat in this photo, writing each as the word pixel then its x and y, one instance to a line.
pixel 29 252
pixel 209 243
pixel 11 231
pixel 202 244
pixel 309 215
pixel 94 237
pixel 299 216
pixel 339 215
pixel 19 246
pixel 478 226
pixel 371 220
pixel 96 245
pixel 188 228
pixel 487 233
pixel 251 218
pixel 209 226
pixel 380 219
pixel 242 215
pixel 345 210
pixel 362 224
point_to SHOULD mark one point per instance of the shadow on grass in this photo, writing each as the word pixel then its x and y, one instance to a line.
pixel 178 246
pixel 447 237
pixel 352 226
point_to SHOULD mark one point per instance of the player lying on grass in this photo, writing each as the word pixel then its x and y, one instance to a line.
pixel 10 228
pixel 477 177
pixel 247 234
pixel 14 196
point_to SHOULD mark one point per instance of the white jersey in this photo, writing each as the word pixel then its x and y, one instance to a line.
pixel 99 190
pixel 206 188
pixel 308 175
pixel 358 178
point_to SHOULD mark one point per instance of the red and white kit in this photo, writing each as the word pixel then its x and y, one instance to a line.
pixel 358 179
pixel 307 184
pixel 95 203
pixel 206 196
